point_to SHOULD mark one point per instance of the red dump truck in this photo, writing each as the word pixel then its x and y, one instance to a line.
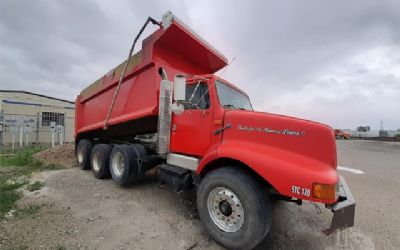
pixel 165 108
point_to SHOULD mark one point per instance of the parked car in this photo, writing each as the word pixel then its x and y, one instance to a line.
pixel 340 134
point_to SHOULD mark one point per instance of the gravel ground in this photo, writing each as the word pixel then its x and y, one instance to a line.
pixel 81 212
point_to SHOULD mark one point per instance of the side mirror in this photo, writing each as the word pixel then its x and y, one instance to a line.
pixel 180 88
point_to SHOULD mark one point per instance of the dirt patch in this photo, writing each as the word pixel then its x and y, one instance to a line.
pixel 61 155
pixel 78 211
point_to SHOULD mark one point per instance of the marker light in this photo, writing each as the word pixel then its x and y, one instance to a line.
pixel 324 191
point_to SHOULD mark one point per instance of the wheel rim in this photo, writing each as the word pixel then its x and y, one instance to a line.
pixel 225 209
pixel 96 161
pixel 118 164
pixel 80 155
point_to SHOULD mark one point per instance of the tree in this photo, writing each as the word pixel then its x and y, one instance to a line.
pixel 363 128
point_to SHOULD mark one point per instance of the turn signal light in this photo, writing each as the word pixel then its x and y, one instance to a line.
pixel 217 122
pixel 324 191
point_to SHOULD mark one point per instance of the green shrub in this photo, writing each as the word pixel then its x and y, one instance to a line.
pixel 22 157
pixel 29 211
pixel 15 170
pixel 8 197
pixel 37 185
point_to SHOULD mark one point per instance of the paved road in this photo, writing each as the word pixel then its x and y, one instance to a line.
pixel 83 212
pixel 377 211
pixel 376 191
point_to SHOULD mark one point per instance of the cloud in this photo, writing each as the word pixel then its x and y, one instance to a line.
pixel 335 62
pixel 360 90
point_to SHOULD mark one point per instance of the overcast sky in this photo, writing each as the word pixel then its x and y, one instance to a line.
pixel 336 62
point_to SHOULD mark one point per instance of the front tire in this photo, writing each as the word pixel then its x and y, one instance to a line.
pixel 234 208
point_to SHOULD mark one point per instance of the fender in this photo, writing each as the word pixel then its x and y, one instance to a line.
pixel 208 157
pixel 280 168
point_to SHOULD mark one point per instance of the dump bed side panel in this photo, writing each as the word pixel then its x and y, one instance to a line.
pixel 137 98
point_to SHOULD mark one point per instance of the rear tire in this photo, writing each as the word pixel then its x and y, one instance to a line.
pixel 100 161
pixel 123 164
pixel 140 148
pixel 83 152
pixel 234 208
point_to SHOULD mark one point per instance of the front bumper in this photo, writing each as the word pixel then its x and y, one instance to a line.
pixel 344 209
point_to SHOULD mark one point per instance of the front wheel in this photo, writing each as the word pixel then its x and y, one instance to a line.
pixel 234 208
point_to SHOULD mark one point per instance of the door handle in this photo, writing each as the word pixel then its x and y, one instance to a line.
pixel 216 132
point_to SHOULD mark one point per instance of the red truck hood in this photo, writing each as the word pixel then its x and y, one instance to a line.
pixel 305 138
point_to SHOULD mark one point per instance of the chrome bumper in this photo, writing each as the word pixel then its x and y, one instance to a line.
pixel 344 209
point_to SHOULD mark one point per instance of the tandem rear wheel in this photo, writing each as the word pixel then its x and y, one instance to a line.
pixel 83 152
pixel 234 208
pixel 121 162
pixel 100 160
pixel 125 164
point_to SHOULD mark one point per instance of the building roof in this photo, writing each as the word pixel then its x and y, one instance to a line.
pixel 30 93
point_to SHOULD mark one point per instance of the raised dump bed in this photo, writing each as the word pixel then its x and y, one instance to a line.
pixel 174 48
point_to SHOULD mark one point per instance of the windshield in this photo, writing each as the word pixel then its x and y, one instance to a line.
pixel 231 98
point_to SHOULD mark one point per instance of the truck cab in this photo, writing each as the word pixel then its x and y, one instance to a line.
pixel 218 122
pixel 207 100
pixel 294 159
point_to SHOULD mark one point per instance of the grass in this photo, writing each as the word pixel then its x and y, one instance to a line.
pixel 7 200
pixel 61 247
pixel 22 157
pixel 37 185
pixel 14 172
pixel 29 211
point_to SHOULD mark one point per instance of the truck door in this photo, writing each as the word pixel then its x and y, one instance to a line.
pixel 191 130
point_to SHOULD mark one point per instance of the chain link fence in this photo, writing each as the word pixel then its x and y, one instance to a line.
pixel 41 128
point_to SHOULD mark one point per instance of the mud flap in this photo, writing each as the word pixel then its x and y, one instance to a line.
pixel 343 210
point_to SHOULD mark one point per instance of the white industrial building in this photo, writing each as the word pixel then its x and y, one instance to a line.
pixel 371 133
pixel 33 118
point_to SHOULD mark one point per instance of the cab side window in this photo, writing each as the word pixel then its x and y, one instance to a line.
pixel 197 96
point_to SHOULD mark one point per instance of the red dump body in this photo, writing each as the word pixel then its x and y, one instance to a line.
pixel 176 49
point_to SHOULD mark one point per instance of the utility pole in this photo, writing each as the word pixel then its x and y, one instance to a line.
pixel 2 128
pixel 381 132
pixel 37 127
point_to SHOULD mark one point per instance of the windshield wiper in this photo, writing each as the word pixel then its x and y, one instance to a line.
pixel 194 91
pixel 230 106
